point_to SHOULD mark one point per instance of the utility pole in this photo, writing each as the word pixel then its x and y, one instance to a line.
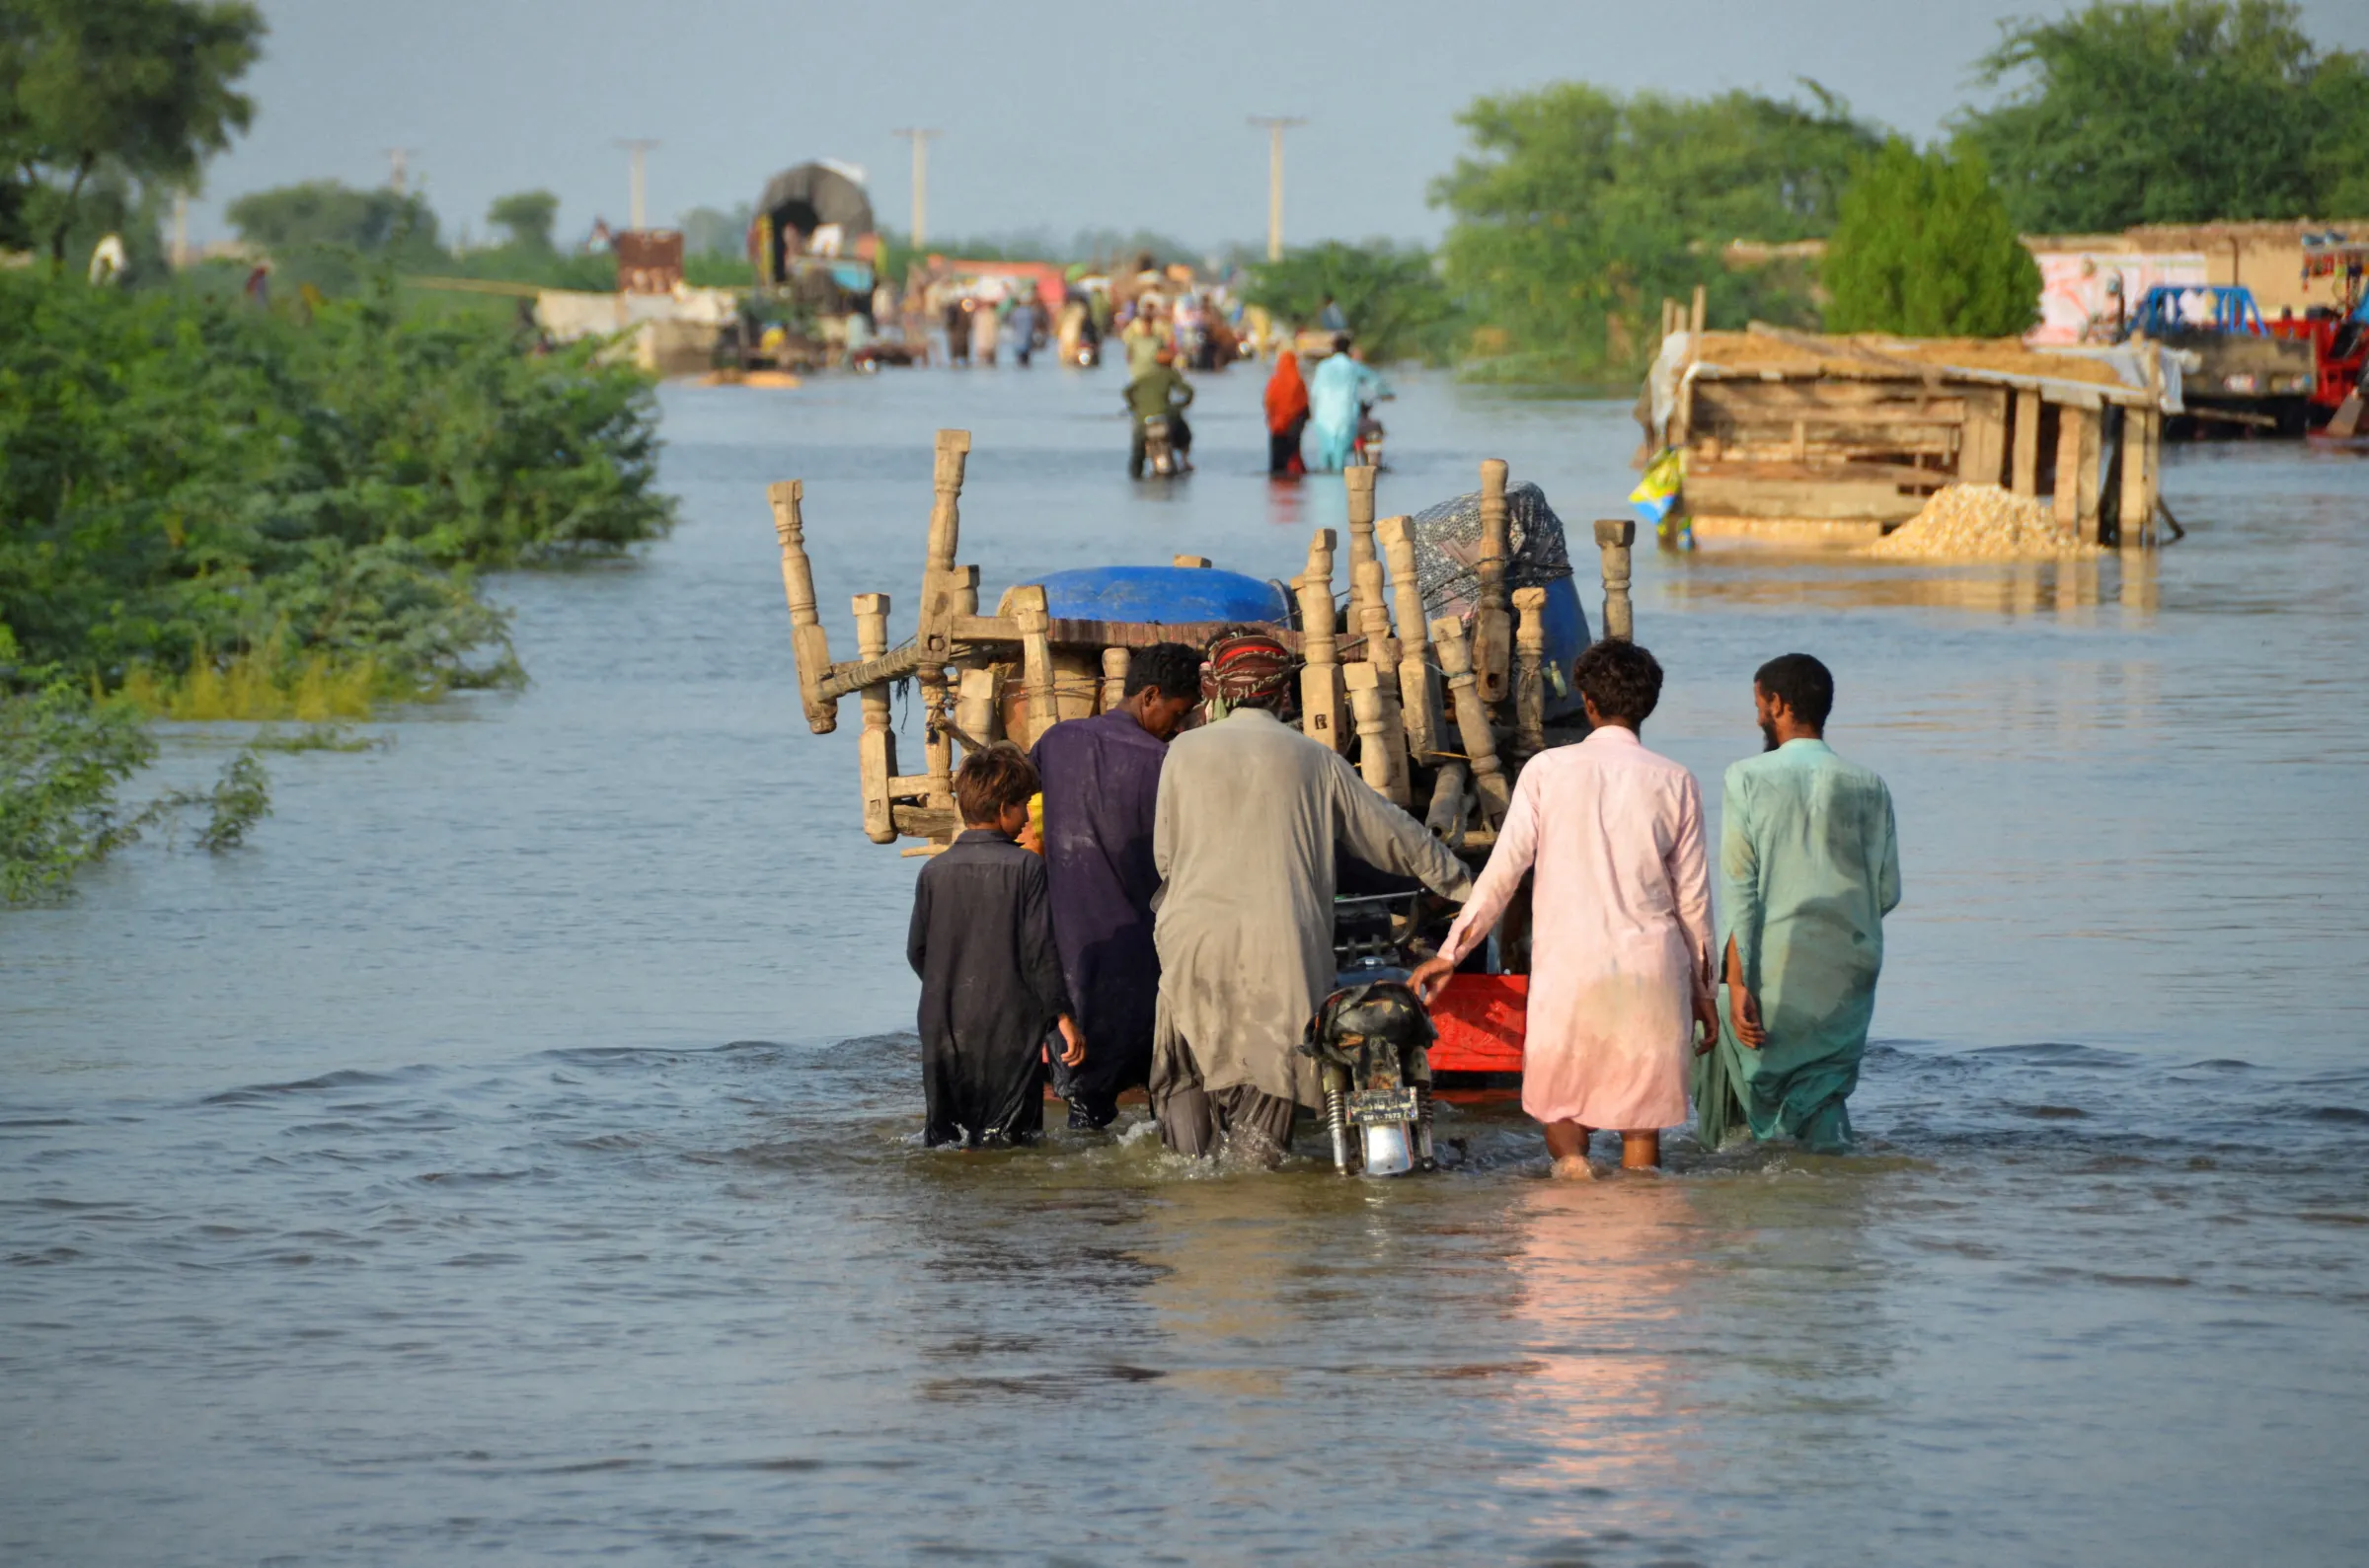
pixel 920 136
pixel 399 168
pixel 639 147
pixel 1276 126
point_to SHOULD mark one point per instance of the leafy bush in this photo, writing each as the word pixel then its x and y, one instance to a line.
pixel 1393 298
pixel 186 481
pixel 1925 246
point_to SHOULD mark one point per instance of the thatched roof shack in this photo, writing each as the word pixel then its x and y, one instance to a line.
pixel 1795 437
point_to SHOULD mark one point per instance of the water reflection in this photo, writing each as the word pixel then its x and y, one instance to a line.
pixel 1287 503
pixel 1601 1279
pixel 2062 588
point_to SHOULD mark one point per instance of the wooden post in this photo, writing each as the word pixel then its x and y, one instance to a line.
pixel 1472 719
pixel 1693 316
pixel 1419 693
pixel 1492 618
pixel 979 705
pixel 2134 507
pixel 1358 478
pixel 876 754
pixel 808 640
pixel 1319 676
pixel 1382 651
pixel 1114 677
pixel 2092 422
pixel 2068 470
pixel 1983 450
pixel 1449 808
pixel 941 601
pixel 2026 479
pixel 1530 672
pixel 1036 661
pixel 1364 684
pixel 1614 535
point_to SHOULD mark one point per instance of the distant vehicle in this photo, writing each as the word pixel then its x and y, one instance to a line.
pixel 2242 374
pixel 1160 447
pixel 2338 336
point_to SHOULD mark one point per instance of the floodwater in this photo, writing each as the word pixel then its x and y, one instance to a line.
pixel 510 1156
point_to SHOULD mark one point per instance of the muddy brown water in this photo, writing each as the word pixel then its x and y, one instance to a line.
pixel 511 1157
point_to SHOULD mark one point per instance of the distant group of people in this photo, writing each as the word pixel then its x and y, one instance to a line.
pixel 1174 929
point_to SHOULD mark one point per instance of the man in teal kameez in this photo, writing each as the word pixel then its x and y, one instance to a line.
pixel 1810 866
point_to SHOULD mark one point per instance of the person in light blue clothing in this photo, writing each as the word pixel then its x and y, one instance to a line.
pixel 1809 865
pixel 1337 394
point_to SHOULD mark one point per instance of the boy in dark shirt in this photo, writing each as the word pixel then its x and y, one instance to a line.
pixel 982 943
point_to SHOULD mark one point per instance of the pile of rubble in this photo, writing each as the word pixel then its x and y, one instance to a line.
pixel 1980 522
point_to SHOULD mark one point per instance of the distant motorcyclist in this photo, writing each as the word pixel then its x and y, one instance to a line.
pixel 1160 391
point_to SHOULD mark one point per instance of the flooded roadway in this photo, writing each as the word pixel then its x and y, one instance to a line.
pixel 510 1158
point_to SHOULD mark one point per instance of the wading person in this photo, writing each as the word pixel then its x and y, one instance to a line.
pixel 1810 866
pixel 1621 933
pixel 1101 787
pixel 1336 398
pixel 1251 816
pixel 982 943
pixel 1286 417
pixel 1160 390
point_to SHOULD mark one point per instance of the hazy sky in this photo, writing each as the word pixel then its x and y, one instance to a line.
pixel 1058 113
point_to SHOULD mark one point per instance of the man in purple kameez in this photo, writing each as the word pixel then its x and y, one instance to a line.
pixel 1101 786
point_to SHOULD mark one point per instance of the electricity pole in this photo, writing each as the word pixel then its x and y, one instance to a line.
pixel 1276 126
pixel 639 147
pixel 399 167
pixel 920 138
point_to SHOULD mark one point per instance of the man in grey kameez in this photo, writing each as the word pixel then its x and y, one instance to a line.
pixel 1250 815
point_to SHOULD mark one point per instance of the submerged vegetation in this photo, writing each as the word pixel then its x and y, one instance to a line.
pixel 210 510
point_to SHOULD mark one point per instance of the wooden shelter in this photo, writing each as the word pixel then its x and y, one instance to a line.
pixel 1437 716
pixel 1800 438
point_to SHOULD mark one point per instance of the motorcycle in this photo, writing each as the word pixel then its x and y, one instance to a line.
pixel 1367 447
pixel 1159 446
pixel 1370 1041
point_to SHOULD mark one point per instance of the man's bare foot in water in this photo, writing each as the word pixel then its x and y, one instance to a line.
pixel 1567 1146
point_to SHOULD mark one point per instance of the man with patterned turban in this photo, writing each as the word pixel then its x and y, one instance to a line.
pixel 1249 818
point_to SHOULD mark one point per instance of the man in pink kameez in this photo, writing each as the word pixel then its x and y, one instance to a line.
pixel 1621 933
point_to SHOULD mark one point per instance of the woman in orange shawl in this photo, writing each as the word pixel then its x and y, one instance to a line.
pixel 1286 416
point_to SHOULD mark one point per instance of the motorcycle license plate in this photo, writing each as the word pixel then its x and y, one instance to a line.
pixel 1380 1107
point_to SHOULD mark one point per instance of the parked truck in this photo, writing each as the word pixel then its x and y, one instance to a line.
pixel 2237 371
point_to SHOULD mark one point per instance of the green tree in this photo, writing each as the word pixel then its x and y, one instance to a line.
pixel 1578 211
pixel 329 235
pixel 1924 246
pixel 1393 297
pixel 709 232
pixel 140 89
pixel 329 215
pixel 2185 112
pixel 528 215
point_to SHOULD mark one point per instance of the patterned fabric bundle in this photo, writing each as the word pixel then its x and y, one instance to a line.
pixel 1245 667
pixel 1447 548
